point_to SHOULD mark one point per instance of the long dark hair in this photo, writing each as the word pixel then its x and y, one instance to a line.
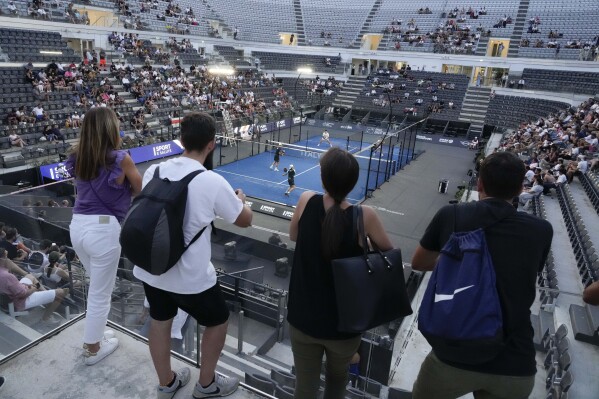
pixel 339 172
pixel 99 136
pixel 50 268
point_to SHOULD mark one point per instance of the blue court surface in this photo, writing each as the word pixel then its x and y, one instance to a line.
pixel 254 176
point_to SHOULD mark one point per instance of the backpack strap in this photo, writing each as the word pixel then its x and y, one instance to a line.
pixel 186 180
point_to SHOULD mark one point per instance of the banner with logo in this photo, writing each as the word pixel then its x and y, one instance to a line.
pixel 156 151
pixel 453 141
pixel 270 208
pixel 55 171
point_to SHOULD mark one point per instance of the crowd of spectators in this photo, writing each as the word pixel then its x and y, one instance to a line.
pixel 556 148
pixel 454 35
pixel 319 85
pixel 395 89
pixel 588 49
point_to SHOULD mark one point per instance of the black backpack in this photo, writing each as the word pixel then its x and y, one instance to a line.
pixel 152 233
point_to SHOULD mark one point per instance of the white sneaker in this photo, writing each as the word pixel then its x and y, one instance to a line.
pixel 270 167
pixel 108 334
pixel 276 169
pixel 221 386
pixel 107 346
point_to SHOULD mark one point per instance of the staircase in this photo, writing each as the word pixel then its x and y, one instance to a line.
pixel 300 35
pixel 366 25
pixel 384 43
pixel 481 46
pixel 352 89
pixel 217 17
pixel 474 109
pixel 519 25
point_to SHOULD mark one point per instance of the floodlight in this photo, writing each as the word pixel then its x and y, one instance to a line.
pixel 221 71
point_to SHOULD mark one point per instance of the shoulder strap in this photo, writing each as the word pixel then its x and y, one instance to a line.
pixel 186 180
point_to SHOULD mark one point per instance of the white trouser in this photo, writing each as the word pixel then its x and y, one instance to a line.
pixel 96 240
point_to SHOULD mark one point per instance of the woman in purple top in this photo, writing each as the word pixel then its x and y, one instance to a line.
pixel 106 178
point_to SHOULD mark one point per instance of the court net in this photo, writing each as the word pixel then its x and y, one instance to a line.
pixel 369 158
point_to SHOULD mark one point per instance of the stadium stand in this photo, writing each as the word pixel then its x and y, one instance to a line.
pixel 552 23
pixel 291 62
pixel 510 111
pixel 565 81
pixel 21 45
pixel 248 18
pixel 418 85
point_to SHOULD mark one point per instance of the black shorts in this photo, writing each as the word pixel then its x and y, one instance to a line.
pixel 291 182
pixel 208 308
pixel 276 158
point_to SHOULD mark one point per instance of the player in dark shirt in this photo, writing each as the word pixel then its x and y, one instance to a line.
pixel 279 152
pixel 290 179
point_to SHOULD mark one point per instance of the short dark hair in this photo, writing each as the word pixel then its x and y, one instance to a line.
pixel 11 233
pixel 197 130
pixel 502 174
pixel 45 244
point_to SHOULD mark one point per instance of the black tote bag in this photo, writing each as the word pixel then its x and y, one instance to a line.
pixel 370 288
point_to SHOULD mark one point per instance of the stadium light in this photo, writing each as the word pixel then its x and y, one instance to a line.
pixel 50 52
pixel 221 71
pixel 304 70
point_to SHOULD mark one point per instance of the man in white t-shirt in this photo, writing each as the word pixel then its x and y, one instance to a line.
pixel 191 283
pixel 38 111
pixel 325 138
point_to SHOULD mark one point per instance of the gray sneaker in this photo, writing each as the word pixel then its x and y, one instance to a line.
pixel 181 379
pixel 222 386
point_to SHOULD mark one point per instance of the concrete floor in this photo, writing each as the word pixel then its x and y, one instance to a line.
pixel 54 369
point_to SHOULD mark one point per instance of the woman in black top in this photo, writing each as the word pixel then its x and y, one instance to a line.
pixel 322 228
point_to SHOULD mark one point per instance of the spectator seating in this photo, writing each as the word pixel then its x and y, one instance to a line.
pixel 291 62
pixel 557 363
pixel 366 99
pixel 260 382
pixel 590 183
pixel 568 81
pixel 22 45
pixel 342 19
pixel 171 24
pixel 440 9
pixel 257 20
pixel 586 258
pixel 510 111
pixel 585 323
pixel 573 21
pixel 233 56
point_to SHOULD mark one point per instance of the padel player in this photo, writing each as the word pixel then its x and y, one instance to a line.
pixel 325 138
pixel 278 154
pixel 290 179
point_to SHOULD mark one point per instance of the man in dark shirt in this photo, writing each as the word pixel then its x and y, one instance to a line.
pixel 518 244
pixel 9 244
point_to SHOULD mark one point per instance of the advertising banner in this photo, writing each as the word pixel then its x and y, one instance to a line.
pixel 156 151
pixel 55 171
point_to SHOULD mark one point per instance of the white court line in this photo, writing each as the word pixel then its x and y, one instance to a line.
pixel 246 176
pixel 285 181
pixel 387 210
pixel 305 171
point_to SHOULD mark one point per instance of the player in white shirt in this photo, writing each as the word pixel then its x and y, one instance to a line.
pixel 325 138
